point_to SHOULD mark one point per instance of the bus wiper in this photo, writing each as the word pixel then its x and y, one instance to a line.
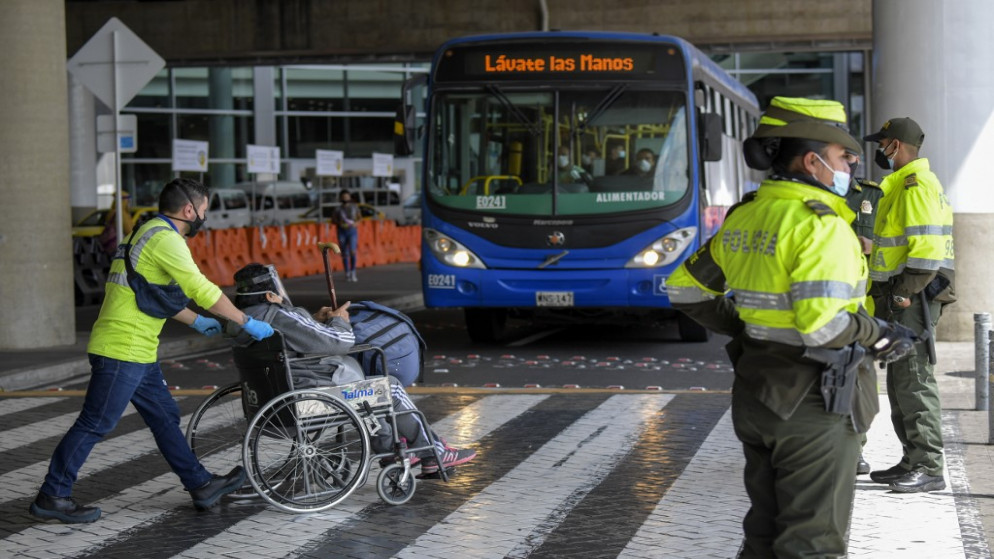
pixel 553 259
pixel 602 106
pixel 514 110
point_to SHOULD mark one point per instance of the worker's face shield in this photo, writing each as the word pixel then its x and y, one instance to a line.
pixel 264 283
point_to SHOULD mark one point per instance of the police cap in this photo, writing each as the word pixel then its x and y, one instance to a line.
pixel 809 119
pixel 902 129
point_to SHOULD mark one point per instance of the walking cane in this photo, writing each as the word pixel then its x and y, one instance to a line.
pixel 325 247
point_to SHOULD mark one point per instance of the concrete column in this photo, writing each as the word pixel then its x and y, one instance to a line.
pixel 934 61
pixel 222 127
pixel 82 150
pixel 36 275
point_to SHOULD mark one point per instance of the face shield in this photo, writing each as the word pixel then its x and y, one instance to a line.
pixel 266 281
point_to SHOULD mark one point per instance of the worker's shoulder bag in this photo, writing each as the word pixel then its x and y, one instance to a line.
pixel 392 331
pixel 159 301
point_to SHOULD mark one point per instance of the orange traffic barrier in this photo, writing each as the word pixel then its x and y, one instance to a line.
pixel 231 252
pixel 203 254
pixel 369 253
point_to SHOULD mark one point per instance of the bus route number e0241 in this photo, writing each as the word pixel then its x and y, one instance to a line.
pixel 553 298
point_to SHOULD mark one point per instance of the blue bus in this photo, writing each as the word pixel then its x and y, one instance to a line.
pixel 567 174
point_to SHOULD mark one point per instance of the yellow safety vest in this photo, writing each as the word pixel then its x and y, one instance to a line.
pixel 914 225
pixel 792 262
pixel 161 255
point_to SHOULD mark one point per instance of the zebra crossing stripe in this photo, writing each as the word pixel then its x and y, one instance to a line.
pixel 523 506
pixel 51 427
pixel 499 453
pixel 286 533
pixel 679 526
pixel 24 482
pixel 9 406
pixel 611 514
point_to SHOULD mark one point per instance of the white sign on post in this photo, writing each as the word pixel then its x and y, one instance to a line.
pixel 263 159
pixel 329 162
pixel 382 164
pixel 115 65
pixel 127 134
pixel 190 155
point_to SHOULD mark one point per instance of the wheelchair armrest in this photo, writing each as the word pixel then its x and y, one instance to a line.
pixel 360 348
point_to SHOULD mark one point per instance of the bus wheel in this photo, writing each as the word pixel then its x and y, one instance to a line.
pixel 485 325
pixel 691 331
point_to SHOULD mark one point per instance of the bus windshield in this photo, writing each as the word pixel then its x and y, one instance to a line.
pixel 543 152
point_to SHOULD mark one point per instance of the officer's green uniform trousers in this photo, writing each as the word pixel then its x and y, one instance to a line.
pixel 787 463
pixel 914 394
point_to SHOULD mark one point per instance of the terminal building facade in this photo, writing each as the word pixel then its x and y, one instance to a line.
pixel 312 74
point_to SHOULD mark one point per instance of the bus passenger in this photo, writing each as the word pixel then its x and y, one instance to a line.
pixel 645 162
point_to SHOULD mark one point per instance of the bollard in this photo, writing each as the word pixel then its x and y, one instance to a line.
pixel 990 380
pixel 981 343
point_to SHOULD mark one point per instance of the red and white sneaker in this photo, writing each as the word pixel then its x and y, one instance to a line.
pixel 451 457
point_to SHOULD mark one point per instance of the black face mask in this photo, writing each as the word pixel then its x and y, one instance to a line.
pixel 197 224
pixel 882 161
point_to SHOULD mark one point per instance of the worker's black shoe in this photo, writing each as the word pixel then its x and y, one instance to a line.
pixel 888 475
pixel 207 496
pixel 917 481
pixel 862 466
pixel 63 509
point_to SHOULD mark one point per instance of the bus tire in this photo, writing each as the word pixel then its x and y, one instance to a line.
pixel 485 325
pixel 691 331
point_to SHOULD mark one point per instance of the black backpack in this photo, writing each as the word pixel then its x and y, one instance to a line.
pixel 394 332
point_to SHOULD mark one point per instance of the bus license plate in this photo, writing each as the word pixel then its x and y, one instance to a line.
pixel 554 298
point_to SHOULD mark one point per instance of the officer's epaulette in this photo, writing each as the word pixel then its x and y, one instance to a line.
pixel 746 198
pixel 911 180
pixel 819 208
pixel 867 182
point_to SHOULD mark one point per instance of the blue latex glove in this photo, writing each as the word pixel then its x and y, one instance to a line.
pixel 258 329
pixel 206 326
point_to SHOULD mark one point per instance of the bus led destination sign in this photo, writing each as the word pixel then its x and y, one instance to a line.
pixel 501 63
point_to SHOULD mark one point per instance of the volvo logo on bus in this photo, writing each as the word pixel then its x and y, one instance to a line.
pixel 556 239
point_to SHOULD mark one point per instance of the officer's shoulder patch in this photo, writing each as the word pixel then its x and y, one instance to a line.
pixel 911 180
pixel 819 208
pixel 867 182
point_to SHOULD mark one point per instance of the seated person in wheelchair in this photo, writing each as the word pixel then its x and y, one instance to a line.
pixel 261 295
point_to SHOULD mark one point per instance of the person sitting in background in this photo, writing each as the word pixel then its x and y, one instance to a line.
pixel 260 294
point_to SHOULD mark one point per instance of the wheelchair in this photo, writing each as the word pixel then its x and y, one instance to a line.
pixel 303 450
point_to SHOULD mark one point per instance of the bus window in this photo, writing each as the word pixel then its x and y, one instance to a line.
pixel 522 152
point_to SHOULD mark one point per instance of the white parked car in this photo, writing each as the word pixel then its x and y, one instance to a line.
pixel 229 207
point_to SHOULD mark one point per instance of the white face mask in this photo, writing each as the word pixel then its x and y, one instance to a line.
pixel 587 160
pixel 644 165
pixel 621 154
pixel 563 161
pixel 840 179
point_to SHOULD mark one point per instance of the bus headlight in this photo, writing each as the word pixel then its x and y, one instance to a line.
pixel 664 250
pixel 450 251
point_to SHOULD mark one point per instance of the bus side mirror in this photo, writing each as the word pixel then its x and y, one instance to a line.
pixel 404 131
pixel 405 125
pixel 710 135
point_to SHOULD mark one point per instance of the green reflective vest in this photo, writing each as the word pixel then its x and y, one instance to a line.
pixel 792 262
pixel 914 225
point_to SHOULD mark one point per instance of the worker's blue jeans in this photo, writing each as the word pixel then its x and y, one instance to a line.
pixel 113 384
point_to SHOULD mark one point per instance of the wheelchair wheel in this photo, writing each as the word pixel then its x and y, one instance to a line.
pixel 391 489
pixel 216 431
pixel 306 451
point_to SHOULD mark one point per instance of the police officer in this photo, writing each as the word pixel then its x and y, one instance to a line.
pixel 911 268
pixel 798 276
pixel 863 197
